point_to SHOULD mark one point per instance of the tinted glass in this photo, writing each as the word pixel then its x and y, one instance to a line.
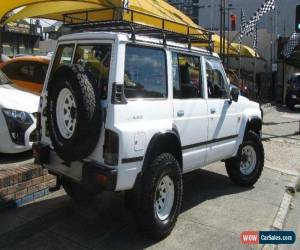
pixel 95 60
pixel 22 71
pixel 217 86
pixel 145 73
pixel 64 55
pixel 187 77
pixel 40 71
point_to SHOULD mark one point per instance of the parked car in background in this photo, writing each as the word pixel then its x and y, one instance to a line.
pixel 27 72
pixel 293 91
pixel 18 110
pixel 3 58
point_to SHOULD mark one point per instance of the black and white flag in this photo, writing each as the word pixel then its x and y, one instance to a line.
pixel 255 39
pixel 243 24
pixel 293 42
pixel 265 8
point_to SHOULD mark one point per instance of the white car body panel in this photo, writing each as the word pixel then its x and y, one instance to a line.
pixel 15 99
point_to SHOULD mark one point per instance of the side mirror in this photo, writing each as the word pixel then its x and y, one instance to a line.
pixel 234 94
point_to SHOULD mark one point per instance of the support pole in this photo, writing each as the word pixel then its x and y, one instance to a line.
pixel 228 37
pixel 221 29
pixel 224 29
pixel 1 40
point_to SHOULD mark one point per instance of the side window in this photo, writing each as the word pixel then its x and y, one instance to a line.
pixel 95 59
pixel 217 86
pixel 187 77
pixel 63 56
pixel 145 73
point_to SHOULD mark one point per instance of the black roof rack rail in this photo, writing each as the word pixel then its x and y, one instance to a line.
pixel 88 21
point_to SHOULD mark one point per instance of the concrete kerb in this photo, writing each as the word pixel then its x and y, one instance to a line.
pixel 285 206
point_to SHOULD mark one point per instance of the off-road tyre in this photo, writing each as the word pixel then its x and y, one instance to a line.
pixel 147 218
pixel 233 165
pixel 77 192
pixel 88 113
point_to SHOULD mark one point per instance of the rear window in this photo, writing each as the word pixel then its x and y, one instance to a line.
pixel 145 73
pixel 64 55
pixel 95 59
pixel 26 71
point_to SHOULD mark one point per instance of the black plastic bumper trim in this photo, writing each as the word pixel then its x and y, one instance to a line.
pixel 131 160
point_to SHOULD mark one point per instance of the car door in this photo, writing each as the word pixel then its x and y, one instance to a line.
pixel 223 116
pixel 190 109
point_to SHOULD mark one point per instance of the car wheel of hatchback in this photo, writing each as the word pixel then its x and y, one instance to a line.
pixel 246 168
pixel 161 197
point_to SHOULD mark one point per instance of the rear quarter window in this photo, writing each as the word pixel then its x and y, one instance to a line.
pixel 145 73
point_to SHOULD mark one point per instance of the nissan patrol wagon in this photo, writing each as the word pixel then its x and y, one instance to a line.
pixel 134 114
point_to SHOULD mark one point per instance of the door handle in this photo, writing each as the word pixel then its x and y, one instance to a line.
pixel 213 111
pixel 180 113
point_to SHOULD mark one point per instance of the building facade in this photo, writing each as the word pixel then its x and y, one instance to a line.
pixel 189 7
pixel 21 38
pixel 281 21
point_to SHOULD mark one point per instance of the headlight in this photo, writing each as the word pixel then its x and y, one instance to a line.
pixel 19 116
pixel 17 122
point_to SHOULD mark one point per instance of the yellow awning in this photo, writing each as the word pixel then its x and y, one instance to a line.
pixel 10 5
pixel 55 9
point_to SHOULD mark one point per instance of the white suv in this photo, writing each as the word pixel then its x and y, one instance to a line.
pixel 134 114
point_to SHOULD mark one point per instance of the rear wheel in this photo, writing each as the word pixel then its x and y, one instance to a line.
pixel 74 113
pixel 290 104
pixel 160 198
pixel 246 168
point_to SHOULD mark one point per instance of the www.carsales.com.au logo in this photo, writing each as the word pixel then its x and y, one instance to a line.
pixel 268 237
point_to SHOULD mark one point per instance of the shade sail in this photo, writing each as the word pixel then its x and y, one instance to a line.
pixel 51 10
pixel 56 9
pixel 9 5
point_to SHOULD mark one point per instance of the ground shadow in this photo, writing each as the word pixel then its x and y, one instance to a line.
pixel 105 223
pixel 15 158
pixel 281 108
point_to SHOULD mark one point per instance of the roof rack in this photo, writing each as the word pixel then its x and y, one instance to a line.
pixel 133 22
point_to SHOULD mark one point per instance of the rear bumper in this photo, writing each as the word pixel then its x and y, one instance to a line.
pixel 92 175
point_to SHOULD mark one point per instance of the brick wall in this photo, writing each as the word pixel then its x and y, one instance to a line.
pixel 23 184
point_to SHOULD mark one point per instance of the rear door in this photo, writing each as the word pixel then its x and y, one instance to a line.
pixel 190 109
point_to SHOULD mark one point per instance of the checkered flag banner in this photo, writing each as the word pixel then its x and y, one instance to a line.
pixel 293 42
pixel 255 39
pixel 265 8
pixel 243 24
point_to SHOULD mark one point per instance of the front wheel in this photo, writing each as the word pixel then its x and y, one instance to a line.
pixel 160 198
pixel 246 168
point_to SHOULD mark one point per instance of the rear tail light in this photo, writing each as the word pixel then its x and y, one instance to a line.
pixel 111 148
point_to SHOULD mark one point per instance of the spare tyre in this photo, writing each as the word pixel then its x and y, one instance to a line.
pixel 73 113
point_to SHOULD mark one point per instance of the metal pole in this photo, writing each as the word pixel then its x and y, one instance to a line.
pixel 1 40
pixel 224 29
pixel 228 37
pixel 221 29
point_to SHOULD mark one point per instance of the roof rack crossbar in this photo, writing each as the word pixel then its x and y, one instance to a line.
pixel 80 21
